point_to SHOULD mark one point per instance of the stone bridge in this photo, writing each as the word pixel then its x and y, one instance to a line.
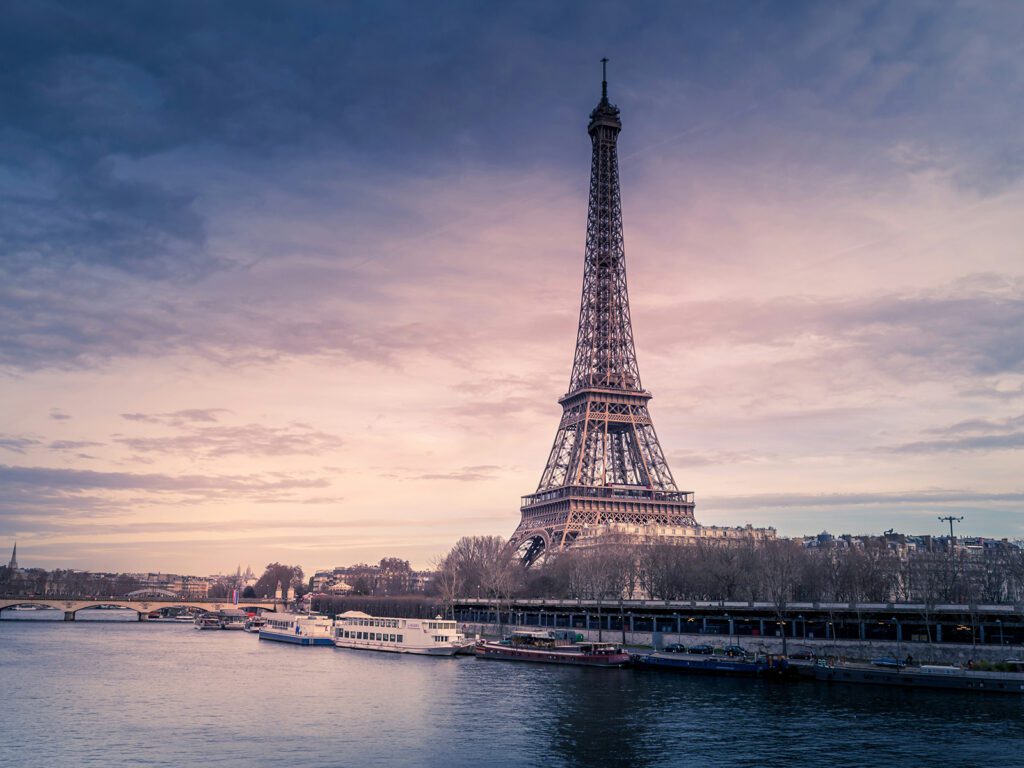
pixel 143 606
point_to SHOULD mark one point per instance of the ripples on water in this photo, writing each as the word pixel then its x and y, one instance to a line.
pixel 137 694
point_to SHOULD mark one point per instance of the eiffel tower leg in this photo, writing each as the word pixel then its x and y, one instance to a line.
pixel 530 543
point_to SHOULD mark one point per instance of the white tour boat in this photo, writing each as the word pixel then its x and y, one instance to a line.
pixel 298 628
pixel 430 637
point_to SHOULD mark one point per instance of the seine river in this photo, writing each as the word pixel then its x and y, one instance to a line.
pixel 119 693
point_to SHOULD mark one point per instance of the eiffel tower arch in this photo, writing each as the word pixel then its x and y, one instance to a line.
pixel 606 464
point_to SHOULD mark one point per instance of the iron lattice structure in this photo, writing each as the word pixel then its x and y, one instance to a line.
pixel 606 465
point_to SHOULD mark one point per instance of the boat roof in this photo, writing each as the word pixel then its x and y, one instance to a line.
pixel 354 615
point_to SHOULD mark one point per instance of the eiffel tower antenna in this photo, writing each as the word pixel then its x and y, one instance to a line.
pixel 606 465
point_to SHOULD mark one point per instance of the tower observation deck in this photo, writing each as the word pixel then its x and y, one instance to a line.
pixel 606 465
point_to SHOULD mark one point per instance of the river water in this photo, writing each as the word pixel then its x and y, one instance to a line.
pixel 125 693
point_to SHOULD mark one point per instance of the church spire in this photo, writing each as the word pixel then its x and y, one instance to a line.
pixel 13 565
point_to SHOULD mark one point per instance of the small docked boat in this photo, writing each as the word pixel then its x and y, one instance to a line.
pixel 747 665
pixel 207 621
pixel 254 624
pixel 543 647
pixel 925 676
pixel 232 619
pixel 433 637
pixel 298 629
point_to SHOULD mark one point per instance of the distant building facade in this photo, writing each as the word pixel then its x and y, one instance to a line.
pixel 598 535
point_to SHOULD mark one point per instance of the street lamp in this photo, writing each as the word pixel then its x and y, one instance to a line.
pixel 899 651
pixel 803 625
pixel 1000 623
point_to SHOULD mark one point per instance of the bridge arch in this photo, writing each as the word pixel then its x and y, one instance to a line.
pixel 24 603
pixel 94 604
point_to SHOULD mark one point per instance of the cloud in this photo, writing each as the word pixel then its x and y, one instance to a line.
pixel 983 426
pixel 471 474
pixel 68 492
pixel 247 440
pixel 58 415
pixel 126 525
pixel 17 444
pixel 178 418
pixel 709 458
pixel 1011 442
pixel 995 392
pixel 953 329
pixel 894 499
pixel 73 445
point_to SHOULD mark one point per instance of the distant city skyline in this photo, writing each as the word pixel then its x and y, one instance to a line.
pixel 301 284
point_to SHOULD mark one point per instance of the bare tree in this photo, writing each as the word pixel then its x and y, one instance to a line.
pixel 486 565
pixel 781 562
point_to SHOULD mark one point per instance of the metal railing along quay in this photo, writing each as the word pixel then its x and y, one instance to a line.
pixel 883 622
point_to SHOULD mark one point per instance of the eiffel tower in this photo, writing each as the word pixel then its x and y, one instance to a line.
pixel 606 465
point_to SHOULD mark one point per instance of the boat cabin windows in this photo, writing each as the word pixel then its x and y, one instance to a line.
pixel 382 623
pixel 440 625
pixel 372 636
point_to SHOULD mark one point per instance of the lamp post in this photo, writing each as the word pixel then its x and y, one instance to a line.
pixel 803 626
pixel 899 652
pixel 951 554
pixel 728 626
pixel 1000 623
pixel 622 621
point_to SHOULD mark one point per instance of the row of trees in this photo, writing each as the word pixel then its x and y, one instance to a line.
pixel 66 583
pixel 392 576
pixel 777 571
pixel 38 581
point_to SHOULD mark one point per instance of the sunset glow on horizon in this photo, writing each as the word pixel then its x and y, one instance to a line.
pixel 308 291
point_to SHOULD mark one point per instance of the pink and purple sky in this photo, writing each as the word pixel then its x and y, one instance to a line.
pixel 300 282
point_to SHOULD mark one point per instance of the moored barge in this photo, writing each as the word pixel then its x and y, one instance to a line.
pixel 734 666
pixel 542 648
pixel 925 676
